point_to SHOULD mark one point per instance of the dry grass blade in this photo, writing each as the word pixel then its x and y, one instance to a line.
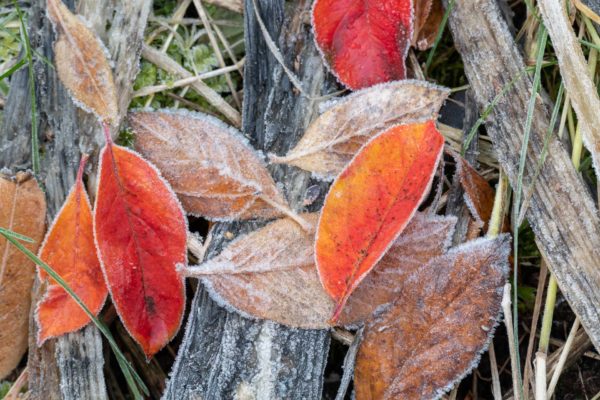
pixel 82 63
pixel 163 61
pixel 22 210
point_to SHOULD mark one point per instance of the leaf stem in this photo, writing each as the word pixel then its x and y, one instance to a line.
pixel 288 212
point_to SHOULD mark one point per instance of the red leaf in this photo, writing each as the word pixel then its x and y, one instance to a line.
pixel 70 250
pixel 140 231
pixel 371 202
pixel 364 42
pixel 434 333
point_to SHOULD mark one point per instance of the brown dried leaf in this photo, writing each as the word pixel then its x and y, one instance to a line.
pixel 22 210
pixel 435 332
pixel 82 63
pixel 277 279
pixel 428 18
pixel 424 238
pixel 211 167
pixel 479 195
pixel 334 137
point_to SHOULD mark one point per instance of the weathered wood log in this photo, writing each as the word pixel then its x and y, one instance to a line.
pixel 561 212
pixel 224 355
pixel 70 367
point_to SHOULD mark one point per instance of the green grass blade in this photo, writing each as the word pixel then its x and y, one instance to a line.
pixel 439 35
pixel 133 379
pixel 13 69
pixel 17 236
pixel 542 38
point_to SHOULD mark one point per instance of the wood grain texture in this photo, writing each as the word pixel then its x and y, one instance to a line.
pixel 70 367
pixel 223 355
pixel 561 212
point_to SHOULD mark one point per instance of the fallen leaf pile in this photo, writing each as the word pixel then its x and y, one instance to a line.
pixel 369 257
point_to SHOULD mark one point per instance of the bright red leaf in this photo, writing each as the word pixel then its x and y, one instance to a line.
pixel 371 202
pixel 140 231
pixel 364 42
pixel 70 250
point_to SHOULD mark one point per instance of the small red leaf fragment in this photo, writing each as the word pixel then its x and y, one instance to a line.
pixel 70 250
pixel 433 334
pixel 364 42
pixel 141 233
pixel 371 202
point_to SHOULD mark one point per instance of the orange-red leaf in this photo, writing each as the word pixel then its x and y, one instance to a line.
pixel 371 202
pixel 140 231
pixel 82 64
pixel 364 42
pixel 434 333
pixel 70 250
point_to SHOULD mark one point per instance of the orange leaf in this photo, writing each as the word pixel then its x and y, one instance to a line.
pixel 82 64
pixel 140 231
pixel 22 210
pixel 371 202
pixel 434 333
pixel 212 168
pixel 70 250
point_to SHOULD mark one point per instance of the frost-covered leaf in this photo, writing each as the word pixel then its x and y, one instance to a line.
pixel 333 138
pixel 277 279
pixel 364 42
pixel 271 274
pixel 22 210
pixel 478 194
pixel 70 250
pixel 428 18
pixel 141 233
pixel 435 332
pixel 82 64
pixel 211 166
pixel 280 245
pixel 424 238
pixel 371 202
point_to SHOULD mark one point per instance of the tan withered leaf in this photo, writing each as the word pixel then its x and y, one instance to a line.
pixel 478 194
pixel 424 238
pixel 82 64
pixel 277 279
pixel 333 139
pixel 211 167
pixel 434 333
pixel 428 18
pixel 22 210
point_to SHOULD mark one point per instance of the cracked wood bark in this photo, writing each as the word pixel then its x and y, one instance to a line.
pixel 223 355
pixel 71 366
pixel 561 212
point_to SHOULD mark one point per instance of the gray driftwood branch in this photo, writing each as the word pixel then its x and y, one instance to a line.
pixel 561 212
